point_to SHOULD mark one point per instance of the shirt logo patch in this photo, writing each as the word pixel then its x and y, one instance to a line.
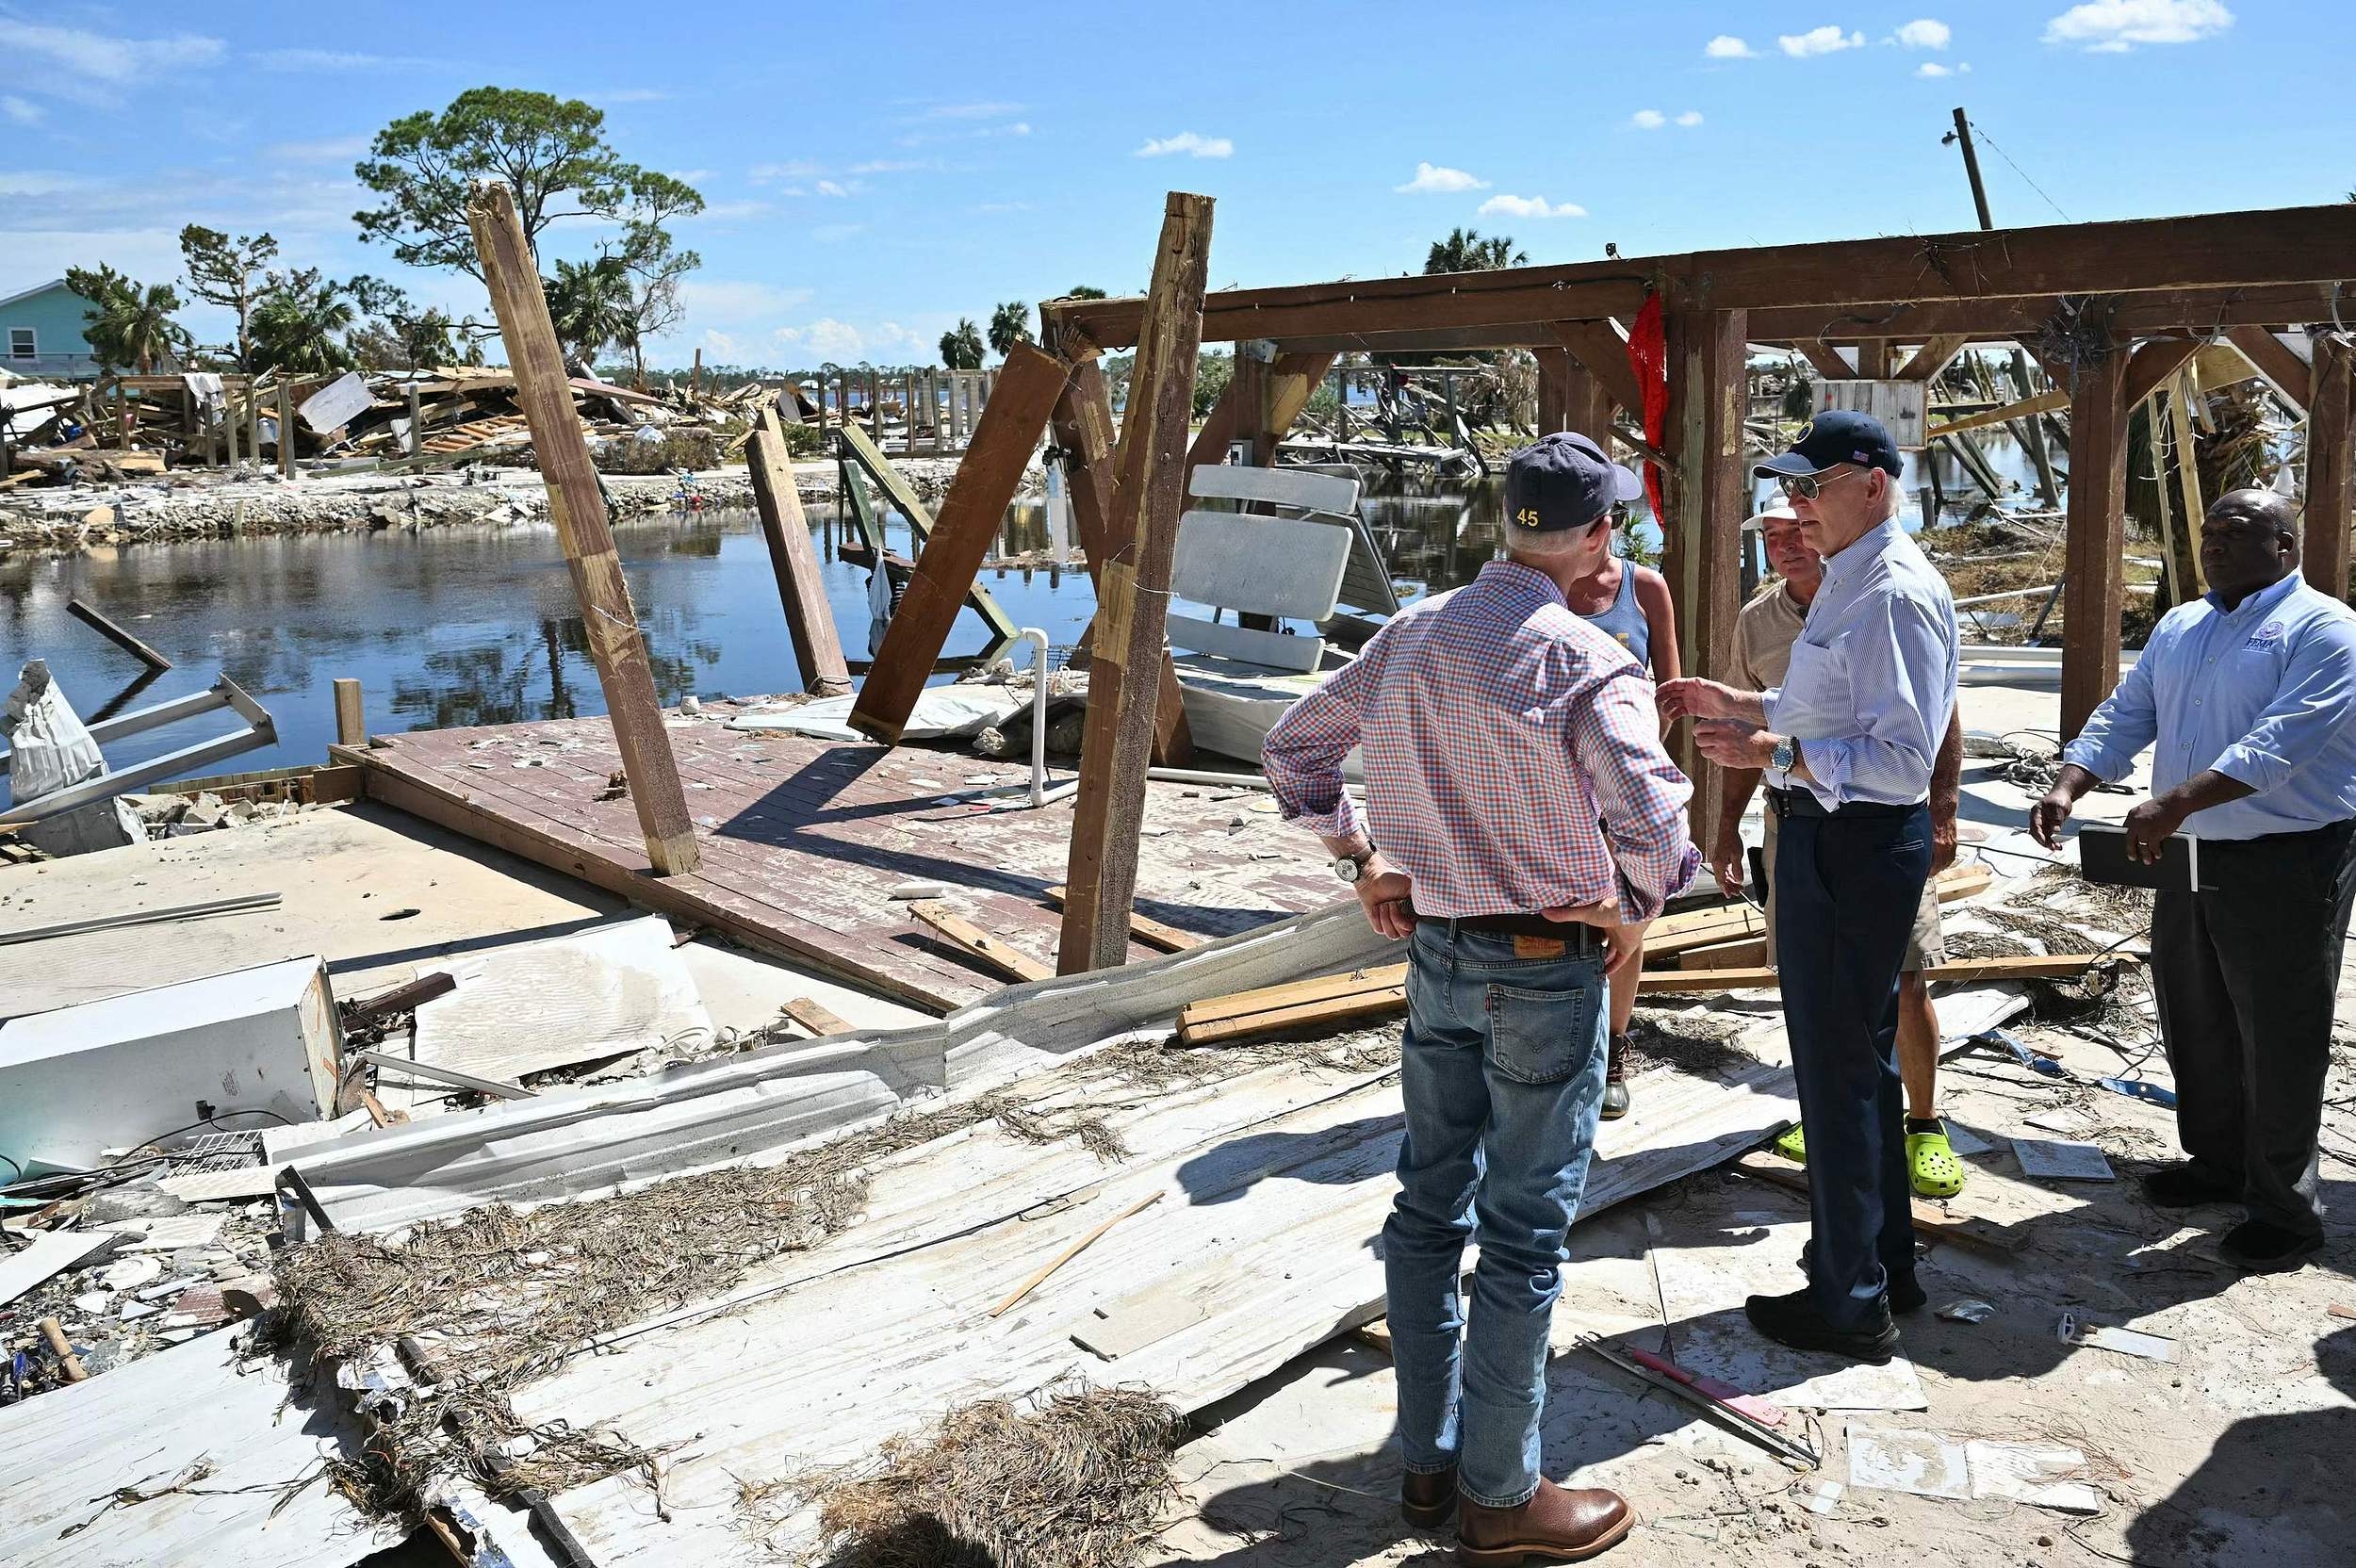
pixel 2265 636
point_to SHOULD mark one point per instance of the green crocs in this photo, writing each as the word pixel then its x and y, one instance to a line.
pixel 1931 1163
pixel 1792 1146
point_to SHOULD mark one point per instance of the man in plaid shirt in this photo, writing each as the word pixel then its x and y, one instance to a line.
pixel 1524 812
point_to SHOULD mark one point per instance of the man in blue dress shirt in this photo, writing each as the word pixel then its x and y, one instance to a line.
pixel 2248 693
pixel 1847 745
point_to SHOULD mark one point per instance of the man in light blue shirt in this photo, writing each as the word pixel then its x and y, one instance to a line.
pixel 1847 745
pixel 2249 694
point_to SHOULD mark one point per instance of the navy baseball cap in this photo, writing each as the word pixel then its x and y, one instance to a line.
pixel 1564 481
pixel 1836 436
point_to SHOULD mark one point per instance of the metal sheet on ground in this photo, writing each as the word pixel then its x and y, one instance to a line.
pixel 537 1005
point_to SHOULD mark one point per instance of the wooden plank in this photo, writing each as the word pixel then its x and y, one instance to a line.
pixel 2044 402
pixel 2323 548
pixel 1601 349
pixel 351 723
pixel 2033 966
pixel 897 492
pixel 1739 954
pixel 2154 362
pixel 1148 495
pixel 814 1015
pixel 116 635
pixel 1932 357
pixel 801 590
pixel 2096 539
pixel 1715 493
pixel 2208 251
pixel 576 506
pixel 1324 1012
pixel 971 518
pixel 1083 427
pixel 285 430
pixel 971 940
pixel 1153 933
pixel 1292 993
pixel 2274 359
pixel 1675 934
pixel 1980 1235
pixel 1826 358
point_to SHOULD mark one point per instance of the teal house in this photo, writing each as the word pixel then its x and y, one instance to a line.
pixel 40 334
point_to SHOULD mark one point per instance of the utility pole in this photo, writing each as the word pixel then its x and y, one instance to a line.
pixel 2029 432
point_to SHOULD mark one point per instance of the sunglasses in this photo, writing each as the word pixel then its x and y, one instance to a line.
pixel 1804 486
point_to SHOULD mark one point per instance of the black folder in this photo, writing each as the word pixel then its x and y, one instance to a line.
pixel 2103 858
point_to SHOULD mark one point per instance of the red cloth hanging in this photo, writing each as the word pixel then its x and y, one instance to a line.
pixel 1648 356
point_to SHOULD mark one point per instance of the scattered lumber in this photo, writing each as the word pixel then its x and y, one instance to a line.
pixel 815 1017
pixel 1074 1251
pixel 974 942
pixel 1153 933
pixel 116 635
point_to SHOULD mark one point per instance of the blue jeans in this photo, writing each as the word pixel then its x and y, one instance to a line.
pixel 1846 892
pixel 1503 1077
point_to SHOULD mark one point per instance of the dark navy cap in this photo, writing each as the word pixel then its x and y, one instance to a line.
pixel 1836 436
pixel 1564 481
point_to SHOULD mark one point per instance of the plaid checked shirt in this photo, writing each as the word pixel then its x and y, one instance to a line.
pixel 1513 756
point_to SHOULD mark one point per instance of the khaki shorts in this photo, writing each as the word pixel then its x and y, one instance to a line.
pixel 1926 945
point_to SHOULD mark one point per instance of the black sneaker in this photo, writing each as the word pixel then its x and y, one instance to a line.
pixel 1615 1096
pixel 2187 1185
pixel 1793 1320
pixel 1903 1291
pixel 2254 1247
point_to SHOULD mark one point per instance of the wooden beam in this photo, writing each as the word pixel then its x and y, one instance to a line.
pixel 2323 548
pixel 1826 360
pixel 801 589
pixel 576 506
pixel 971 940
pixel 1602 348
pixel 2154 363
pixel 352 722
pixel 1153 933
pixel 1083 427
pixel 2097 538
pixel 2227 251
pixel 869 458
pixel 1555 369
pixel 1709 501
pixel 285 430
pixel 2274 359
pixel 116 635
pixel 971 518
pixel 1933 356
pixel 2044 402
pixel 1133 597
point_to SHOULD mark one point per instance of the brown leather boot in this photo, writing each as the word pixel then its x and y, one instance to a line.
pixel 1427 1500
pixel 1555 1526
pixel 1615 1095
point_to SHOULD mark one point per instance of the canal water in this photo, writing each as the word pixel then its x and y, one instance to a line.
pixel 468 625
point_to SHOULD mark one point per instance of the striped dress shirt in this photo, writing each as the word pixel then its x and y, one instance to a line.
pixel 1512 757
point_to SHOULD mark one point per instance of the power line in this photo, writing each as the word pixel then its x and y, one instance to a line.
pixel 1982 132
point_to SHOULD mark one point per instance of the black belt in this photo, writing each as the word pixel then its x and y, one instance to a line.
pixel 1801 803
pixel 1578 939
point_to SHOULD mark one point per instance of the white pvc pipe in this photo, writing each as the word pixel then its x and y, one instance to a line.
pixel 1037 639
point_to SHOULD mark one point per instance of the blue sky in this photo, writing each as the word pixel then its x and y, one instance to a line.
pixel 877 171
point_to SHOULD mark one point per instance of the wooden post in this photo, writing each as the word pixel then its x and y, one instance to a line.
pixel 969 519
pixel 875 405
pixel 417 420
pixel 352 724
pixel 1246 384
pixel 286 429
pixel 2187 478
pixel 2323 550
pixel 1708 352
pixel 2097 536
pixel 808 619
pixel 228 424
pixel 1084 431
pixel 1554 391
pixel 576 506
pixel 253 422
pixel 697 383
pixel 1133 590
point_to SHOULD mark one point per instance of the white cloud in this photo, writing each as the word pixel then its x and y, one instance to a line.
pixel 1188 143
pixel 332 149
pixel 829 188
pixel 1021 127
pixel 37 182
pixel 338 59
pixel 846 343
pixel 1926 33
pixel 1826 39
pixel 1689 117
pixel 724 212
pixel 720 348
pixel 796 169
pixel 1529 207
pixel 1438 177
pixel 1932 68
pixel 99 59
pixel 1648 119
pixel 20 111
pixel 1725 46
pixel 2114 27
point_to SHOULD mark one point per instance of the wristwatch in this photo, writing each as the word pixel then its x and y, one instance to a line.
pixel 1350 868
pixel 1779 760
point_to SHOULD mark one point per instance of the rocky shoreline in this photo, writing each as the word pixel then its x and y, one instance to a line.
pixel 202 505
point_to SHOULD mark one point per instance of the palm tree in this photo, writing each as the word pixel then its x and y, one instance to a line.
pixel 591 305
pixel 962 347
pixel 300 324
pixel 1465 251
pixel 129 325
pixel 1009 324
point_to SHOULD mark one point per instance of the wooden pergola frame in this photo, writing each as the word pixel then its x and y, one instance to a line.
pixel 2104 307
